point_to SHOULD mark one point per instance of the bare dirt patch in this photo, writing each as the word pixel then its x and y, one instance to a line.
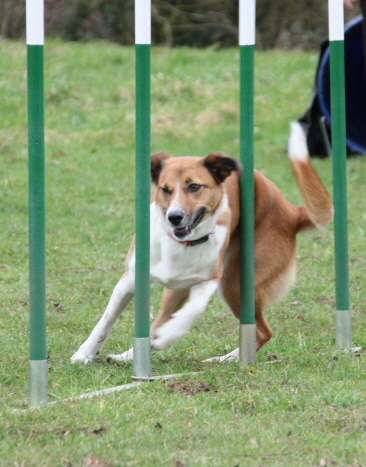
pixel 189 387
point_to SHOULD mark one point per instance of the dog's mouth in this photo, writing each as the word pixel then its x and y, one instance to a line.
pixel 181 232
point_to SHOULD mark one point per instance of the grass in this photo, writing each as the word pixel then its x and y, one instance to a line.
pixel 307 409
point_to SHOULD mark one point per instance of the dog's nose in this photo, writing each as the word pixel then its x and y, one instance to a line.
pixel 175 217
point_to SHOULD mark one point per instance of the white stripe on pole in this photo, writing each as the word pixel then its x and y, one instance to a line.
pixel 247 22
pixel 35 22
pixel 142 21
pixel 336 20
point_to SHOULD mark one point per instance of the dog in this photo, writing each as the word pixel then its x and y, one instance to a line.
pixel 195 243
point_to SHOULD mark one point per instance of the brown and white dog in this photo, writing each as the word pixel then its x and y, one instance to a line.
pixel 195 243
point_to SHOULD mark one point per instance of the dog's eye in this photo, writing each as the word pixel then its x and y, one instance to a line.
pixel 166 190
pixel 193 187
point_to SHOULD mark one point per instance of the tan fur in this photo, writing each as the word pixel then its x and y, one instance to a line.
pixel 276 224
pixel 195 243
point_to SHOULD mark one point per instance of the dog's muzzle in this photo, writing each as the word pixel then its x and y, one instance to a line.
pixel 176 219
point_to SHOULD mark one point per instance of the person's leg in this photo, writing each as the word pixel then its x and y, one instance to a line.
pixel 363 9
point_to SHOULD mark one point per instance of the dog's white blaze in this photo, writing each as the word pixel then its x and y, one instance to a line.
pixel 297 146
pixel 174 206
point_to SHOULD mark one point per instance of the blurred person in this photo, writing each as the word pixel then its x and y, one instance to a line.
pixel 350 4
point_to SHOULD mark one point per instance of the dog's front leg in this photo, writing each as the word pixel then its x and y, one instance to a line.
pixel 121 296
pixel 181 321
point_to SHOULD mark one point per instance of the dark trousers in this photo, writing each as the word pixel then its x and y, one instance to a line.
pixel 363 9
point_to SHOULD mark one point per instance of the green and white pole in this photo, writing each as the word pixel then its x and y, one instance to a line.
pixel 247 335
pixel 338 122
pixel 37 281
pixel 142 354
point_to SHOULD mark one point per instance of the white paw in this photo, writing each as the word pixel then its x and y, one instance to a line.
pixel 166 334
pixel 81 357
pixel 122 357
pixel 230 357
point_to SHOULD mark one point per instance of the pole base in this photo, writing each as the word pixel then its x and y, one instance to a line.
pixel 343 331
pixel 37 383
pixel 247 343
pixel 141 358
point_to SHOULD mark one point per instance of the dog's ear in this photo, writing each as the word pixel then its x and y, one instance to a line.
pixel 220 165
pixel 157 162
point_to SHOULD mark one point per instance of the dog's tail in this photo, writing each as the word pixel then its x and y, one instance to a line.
pixel 319 208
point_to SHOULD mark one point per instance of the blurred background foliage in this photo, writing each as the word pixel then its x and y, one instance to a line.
pixel 193 23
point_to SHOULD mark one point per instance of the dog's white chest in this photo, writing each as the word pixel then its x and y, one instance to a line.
pixel 176 265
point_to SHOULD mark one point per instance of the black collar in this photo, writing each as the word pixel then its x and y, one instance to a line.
pixel 194 242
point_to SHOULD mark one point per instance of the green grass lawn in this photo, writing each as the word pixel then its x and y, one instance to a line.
pixel 306 409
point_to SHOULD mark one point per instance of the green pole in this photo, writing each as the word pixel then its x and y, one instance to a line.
pixel 343 319
pixel 37 287
pixel 142 359
pixel 247 336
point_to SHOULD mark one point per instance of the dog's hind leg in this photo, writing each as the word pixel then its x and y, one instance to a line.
pixel 229 292
pixel 121 296
pixel 264 332
pixel 172 300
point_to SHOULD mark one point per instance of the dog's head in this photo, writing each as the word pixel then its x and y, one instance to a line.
pixel 189 189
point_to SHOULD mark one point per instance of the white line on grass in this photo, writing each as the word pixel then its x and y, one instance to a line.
pixel 103 392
